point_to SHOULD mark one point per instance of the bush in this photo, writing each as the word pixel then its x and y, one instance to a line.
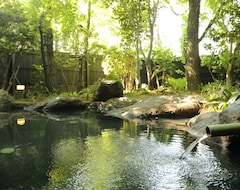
pixel 176 84
pixel 219 96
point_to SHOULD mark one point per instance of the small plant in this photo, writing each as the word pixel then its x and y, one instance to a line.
pixel 39 85
pixel 219 96
pixel 137 93
pixel 176 84
pixel 89 90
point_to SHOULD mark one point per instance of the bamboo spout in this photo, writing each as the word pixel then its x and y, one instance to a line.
pixel 223 129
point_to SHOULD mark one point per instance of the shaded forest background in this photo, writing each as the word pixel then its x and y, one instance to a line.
pixel 30 72
pixel 71 54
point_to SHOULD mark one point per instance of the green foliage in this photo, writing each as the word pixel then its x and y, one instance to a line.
pixel 219 96
pixel 64 60
pixel 163 60
pixel 61 16
pixel 131 16
pixel 224 43
pixel 118 63
pixel 65 155
pixel 39 78
pixel 215 64
pixel 217 91
pixel 137 20
pixel 137 93
pixel 89 90
pixel 15 33
pixel 176 84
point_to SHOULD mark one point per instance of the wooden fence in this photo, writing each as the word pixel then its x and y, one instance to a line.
pixel 29 72
pixel 67 77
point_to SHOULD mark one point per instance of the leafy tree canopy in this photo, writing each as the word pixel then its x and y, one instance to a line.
pixel 15 33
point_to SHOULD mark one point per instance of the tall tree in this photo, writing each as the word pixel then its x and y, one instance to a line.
pixel 192 39
pixel 137 21
pixel 131 15
pixel 225 36
pixel 84 57
pixel 163 63
pixel 152 10
pixel 42 19
pixel 46 35
pixel 193 60
pixel 119 64
pixel 55 22
pixel 85 39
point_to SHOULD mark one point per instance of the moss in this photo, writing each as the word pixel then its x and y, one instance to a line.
pixel 5 99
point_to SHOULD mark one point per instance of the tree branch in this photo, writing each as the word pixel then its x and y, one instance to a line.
pixel 208 27
pixel 212 21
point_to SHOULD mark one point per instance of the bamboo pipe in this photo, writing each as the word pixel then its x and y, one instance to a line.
pixel 223 129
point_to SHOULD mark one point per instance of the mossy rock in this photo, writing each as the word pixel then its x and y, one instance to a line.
pixel 6 101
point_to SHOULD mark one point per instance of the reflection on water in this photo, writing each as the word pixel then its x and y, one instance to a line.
pixel 90 151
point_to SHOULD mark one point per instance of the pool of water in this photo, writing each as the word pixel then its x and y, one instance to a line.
pixel 85 150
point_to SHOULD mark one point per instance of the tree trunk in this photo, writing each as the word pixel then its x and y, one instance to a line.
pixel 163 78
pixel 82 83
pixel 10 75
pixel 138 77
pixel 229 72
pixel 193 60
pixel 231 63
pixel 87 43
pixel 152 15
pixel 7 74
pixel 128 82
pixel 47 55
pixel 149 73
pixel 84 74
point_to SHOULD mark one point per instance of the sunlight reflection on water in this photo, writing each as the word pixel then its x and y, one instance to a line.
pixel 143 163
pixel 105 154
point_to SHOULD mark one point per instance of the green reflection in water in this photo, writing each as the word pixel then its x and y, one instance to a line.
pixel 66 155
pixel 116 159
pixel 94 152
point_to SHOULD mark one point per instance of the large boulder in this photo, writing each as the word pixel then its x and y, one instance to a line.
pixel 154 107
pixel 108 89
pixel 57 104
pixel 231 114
pixel 6 101
pixel 197 125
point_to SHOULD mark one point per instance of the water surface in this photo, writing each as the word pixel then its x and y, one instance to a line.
pixel 89 151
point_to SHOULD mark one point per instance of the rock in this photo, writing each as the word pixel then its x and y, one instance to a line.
pixel 197 125
pixel 231 114
pixel 6 101
pixel 112 103
pixel 57 104
pixel 160 106
pixel 108 89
